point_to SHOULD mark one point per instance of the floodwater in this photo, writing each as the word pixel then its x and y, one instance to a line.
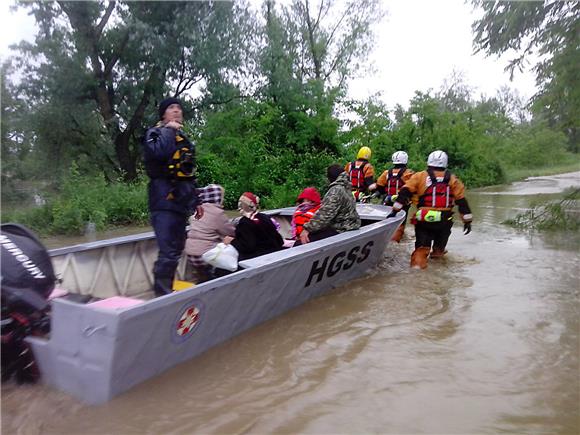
pixel 486 341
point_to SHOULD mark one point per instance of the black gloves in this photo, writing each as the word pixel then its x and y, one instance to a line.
pixel 466 228
pixel 393 213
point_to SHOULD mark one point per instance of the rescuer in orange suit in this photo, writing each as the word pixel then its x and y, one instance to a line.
pixel 438 191
pixel 360 172
pixel 391 182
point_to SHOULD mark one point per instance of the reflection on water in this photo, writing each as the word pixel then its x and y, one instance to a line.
pixel 484 341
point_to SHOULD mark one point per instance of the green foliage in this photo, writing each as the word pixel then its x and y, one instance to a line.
pixel 97 70
pixel 252 146
pixel 85 199
pixel 563 215
pixel 552 29
pixel 324 41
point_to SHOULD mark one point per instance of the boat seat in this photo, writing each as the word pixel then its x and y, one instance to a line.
pixel 182 285
pixel 116 302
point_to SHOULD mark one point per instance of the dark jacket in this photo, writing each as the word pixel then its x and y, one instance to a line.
pixel 167 192
pixel 257 236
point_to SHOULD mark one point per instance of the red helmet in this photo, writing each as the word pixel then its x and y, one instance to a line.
pixel 311 194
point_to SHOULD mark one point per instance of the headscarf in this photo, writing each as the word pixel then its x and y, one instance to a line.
pixel 248 204
pixel 212 193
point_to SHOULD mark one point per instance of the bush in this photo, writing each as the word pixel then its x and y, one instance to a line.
pixel 85 199
pixel 556 216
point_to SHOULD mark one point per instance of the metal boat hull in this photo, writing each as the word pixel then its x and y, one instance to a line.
pixel 95 353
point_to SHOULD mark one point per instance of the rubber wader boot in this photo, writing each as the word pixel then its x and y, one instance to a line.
pixel 398 234
pixel 163 286
pixel 438 253
pixel 419 257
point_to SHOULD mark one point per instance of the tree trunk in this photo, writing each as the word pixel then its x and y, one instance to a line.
pixel 127 159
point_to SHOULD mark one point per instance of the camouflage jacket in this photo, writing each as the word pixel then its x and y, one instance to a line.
pixel 338 208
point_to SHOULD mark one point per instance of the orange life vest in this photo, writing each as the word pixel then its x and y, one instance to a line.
pixel 438 194
pixel 301 217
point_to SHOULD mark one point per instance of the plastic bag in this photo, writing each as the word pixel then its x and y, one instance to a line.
pixel 222 256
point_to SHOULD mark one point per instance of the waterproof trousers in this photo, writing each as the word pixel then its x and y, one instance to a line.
pixel 432 234
pixel 400 231
pixel 169 227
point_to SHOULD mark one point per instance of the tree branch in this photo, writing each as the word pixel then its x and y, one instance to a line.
pixel 116 55
pixel 104 19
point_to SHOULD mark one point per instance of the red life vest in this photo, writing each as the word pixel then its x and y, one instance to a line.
pixel 438 194
pixel 394 182
pixel 301 217
pixel 356 175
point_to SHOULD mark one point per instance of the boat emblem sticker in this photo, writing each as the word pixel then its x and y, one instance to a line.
pixel 186 321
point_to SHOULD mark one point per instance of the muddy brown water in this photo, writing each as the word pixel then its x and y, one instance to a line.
pixel 486 341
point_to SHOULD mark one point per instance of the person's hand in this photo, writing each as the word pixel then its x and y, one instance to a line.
pixel 466 228
pixel 396 209
pixel 373 186
pixel 174 125
pixel 304 239
pixel 228 240
pixel 198 212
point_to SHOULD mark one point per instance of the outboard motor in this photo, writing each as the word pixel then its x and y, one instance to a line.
pixel 27 279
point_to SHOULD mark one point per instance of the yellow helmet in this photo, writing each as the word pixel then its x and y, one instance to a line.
pixel 364 153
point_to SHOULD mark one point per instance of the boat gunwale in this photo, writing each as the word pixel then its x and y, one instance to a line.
pixel 286 211
pixel 248 270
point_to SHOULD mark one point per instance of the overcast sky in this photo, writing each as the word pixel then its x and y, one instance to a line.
pixel 419 44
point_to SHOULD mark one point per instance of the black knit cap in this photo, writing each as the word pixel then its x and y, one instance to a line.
pixel 166 103
pixel 334 171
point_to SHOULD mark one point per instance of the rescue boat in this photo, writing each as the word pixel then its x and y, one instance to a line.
pixel 97 350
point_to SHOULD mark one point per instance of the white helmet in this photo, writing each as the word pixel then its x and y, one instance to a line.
pixel 400 158
pixel 438 159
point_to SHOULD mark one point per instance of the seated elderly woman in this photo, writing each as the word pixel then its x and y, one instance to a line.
pixel 256 234
pixel 205 233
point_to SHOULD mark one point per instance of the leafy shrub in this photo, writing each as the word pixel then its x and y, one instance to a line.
pixel 85 199
pixel 563 215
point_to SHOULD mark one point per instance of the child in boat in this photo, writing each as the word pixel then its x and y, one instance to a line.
pixel 308 204
pixel 255 233
pixel 205 233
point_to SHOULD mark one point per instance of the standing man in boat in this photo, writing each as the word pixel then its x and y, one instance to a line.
pixel 337 212
pixel 360 173
pixel 391 182
pixel 169 159
pixel 438 191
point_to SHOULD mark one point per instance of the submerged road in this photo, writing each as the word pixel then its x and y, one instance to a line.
pixel 485 341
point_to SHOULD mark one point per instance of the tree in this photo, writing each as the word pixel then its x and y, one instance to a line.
pixel 100 67
pixel 370 126
pixel 311 49
pixel 325 41
pixel 550 29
